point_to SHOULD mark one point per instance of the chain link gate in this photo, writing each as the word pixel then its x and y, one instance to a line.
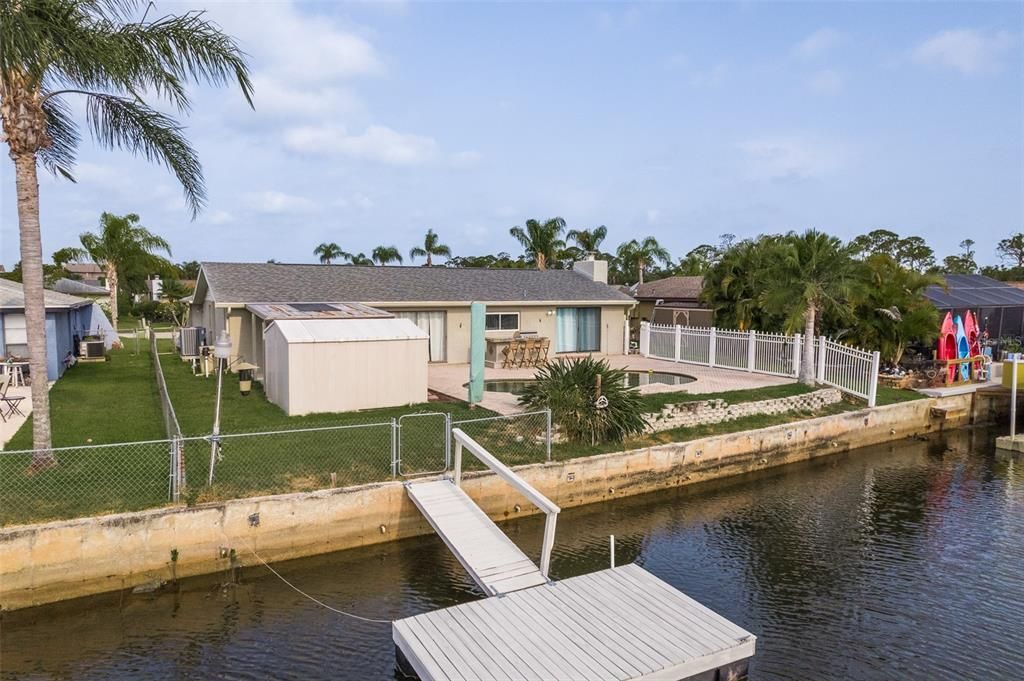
pixel 423 444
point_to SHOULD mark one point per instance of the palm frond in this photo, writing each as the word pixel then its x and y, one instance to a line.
pixel 59 157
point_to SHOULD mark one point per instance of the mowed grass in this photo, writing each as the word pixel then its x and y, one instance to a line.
pixel 654 402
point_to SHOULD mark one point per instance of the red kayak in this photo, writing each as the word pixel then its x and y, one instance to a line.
pixel 947 344
pixel 973 341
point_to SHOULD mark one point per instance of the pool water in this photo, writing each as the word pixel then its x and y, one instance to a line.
pixel 634 379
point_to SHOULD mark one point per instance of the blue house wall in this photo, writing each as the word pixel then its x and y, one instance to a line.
pixel 60 332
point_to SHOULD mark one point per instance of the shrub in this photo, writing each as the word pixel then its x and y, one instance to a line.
pixel 570 389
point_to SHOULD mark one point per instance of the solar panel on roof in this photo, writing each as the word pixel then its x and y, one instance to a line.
pixel 974 290
pixel 313 307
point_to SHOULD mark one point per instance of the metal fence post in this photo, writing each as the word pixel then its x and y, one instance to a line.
pixel 447 442
pixel 712 342
pixel 548 436
pixel 394 447
pixel 873 379
pixel 679 342
pixel 645 339
pixel 751 350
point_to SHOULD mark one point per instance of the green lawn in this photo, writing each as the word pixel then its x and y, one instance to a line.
pixel 895 395
pixel 654 402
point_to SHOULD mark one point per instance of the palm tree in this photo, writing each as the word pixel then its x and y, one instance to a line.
pixel 383 255
pixel 358 259
pixel 430 247
pixel 643 254
pixel 810 274
pixel 588 240
pixel 329 252
pixel 122 245
pixel 55 50
pixel 541 241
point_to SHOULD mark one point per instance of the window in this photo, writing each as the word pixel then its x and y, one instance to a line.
pixel 435 323
pixel 579 329
pixel 14 329
pixel 501 321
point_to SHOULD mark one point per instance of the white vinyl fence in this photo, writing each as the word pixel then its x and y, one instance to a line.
pixel 851 370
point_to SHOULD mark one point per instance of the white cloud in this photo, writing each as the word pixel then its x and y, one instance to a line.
pixel 820 41
pixel 219 217
pixel 276 97
pixel 825 82
pixel 276 202
pixel 965 50
pixel 377 143
pixel 789 157
pixel 297 46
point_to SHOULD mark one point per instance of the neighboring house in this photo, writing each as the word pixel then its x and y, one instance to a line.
pixel 672 300
pixel 577 310
pixel 88 272
pixel 998 305
pixel 74 287
pixel 68 320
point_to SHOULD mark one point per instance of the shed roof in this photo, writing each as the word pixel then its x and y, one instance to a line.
pixel 269 311
pixel 12 297
pixel 973 291
pixel 348 330
pixel 279 283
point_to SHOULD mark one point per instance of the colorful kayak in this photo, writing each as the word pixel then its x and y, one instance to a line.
pixel 973 337
pixel 963 348
pixel 947 344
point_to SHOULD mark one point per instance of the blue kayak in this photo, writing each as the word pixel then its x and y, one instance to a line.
pixel 963 347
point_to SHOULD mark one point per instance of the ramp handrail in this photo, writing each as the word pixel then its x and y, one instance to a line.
pixel 508 475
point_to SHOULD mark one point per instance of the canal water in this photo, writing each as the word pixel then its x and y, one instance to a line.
pixel 901 561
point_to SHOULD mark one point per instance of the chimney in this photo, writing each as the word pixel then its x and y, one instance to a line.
pixel 592 268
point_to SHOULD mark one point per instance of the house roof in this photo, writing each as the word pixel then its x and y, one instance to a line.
pixel 348 330
pixel 12 297
pixel 671 288
pixel 84 268
pixel 79 288
pixel 243 283
pixel 974 290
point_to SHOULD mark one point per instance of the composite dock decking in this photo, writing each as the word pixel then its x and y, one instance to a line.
pixel 621 623
pixel 491 559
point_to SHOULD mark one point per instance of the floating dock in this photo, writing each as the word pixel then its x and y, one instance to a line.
pixel 622 623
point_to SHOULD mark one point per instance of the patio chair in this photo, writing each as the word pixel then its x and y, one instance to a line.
pixel 506 356
pixel 543 347
pixel 9 406
pixel 519 353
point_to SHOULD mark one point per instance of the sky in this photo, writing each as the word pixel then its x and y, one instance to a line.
pixel 376 121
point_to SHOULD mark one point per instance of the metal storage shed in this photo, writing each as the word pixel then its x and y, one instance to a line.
pixel 333 365
pixel 999 306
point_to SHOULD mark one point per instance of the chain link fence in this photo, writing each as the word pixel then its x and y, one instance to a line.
pixel 99 479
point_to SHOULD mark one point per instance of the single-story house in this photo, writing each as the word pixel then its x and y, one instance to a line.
pixel 998 305
pixel 672 300
pixel 577 310
pixel 89 272
pixel 69 319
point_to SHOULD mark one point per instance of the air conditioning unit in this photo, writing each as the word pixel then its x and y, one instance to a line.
pixel 91 349
pixel 193 338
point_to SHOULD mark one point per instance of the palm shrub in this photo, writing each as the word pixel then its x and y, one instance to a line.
pixel 571 389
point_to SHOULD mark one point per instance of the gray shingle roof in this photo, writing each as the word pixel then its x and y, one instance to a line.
pixel 81 288
pixel 12 296
pixel 279 283
pixel 671 288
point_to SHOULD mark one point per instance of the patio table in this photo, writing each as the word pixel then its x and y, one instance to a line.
pixel 17 371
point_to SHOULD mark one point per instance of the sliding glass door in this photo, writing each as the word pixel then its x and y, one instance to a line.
pixel 434 322
pixel 578 329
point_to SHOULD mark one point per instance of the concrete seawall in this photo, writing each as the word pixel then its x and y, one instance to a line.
pixel 60 560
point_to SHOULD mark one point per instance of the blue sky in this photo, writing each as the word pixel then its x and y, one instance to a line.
pixel 376 121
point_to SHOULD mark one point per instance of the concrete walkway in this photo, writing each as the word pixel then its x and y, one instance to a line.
pixel 9 427
pixel 450 379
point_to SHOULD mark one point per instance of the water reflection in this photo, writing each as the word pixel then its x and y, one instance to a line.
pixel 902 561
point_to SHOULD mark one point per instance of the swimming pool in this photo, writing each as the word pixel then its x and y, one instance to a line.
pixel 634 379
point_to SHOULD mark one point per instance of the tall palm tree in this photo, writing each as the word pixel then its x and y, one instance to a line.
pixel 122 244
pixel 383 255
pixel 96 50
pixel 542 242
pixel 643 254
pixel 588 240
pixel 430 248
pixel 811 273
pixel 329 252
pixel 358 259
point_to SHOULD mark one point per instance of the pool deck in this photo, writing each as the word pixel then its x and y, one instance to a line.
pixel 450 379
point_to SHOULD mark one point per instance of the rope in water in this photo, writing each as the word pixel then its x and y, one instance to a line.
pixel 315 600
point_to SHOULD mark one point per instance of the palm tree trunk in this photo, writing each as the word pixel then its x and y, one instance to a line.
pixel 640 269
pixel 541 261
pixel 35 306
pixel 429 263
pixel 112 283
pixel 808 367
